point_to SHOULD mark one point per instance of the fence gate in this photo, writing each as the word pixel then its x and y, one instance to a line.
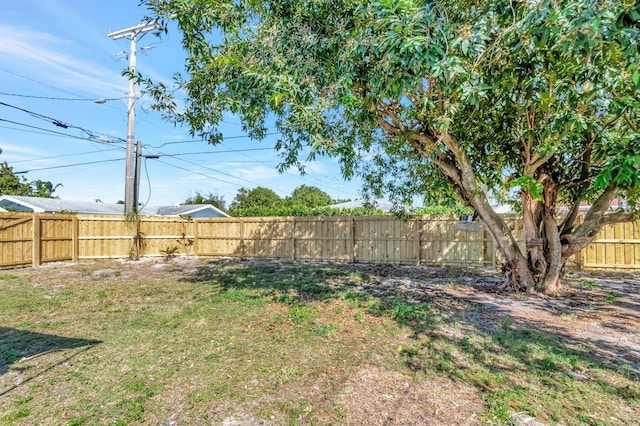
pixel 32 239
pixel 16 235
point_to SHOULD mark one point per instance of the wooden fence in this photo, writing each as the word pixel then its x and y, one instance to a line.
pixel 32 239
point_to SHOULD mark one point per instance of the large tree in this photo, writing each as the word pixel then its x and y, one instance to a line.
pixel 12 184
pixel 309 196
pixel 533 99
pixel 256 197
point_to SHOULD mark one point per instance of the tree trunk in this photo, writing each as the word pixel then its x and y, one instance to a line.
pixel 552 281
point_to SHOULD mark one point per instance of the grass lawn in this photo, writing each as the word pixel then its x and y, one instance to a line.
pixel 210 342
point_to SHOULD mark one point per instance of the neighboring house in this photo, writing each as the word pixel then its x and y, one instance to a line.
pixel 20 203
pixel 196 211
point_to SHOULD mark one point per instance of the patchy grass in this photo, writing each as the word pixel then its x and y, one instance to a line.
pixel 280 343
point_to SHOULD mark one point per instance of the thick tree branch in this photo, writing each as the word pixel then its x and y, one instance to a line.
pixel 618 217
pixel 593 222
pixel 635 127
pixel 601 205
pixel 585 178
pixel 423 143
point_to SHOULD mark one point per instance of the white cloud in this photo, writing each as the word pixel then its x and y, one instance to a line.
pixel 21 149
pixel 24 49
pixel 12 153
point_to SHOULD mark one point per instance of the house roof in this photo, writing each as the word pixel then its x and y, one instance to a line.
pixel 53 205
pixel 50 205
pixel 188 209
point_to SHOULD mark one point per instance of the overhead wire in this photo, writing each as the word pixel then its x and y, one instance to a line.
pixel 180 154
pixel 241 151
pixel 146 170
pixel 38 81
pixel 95 139
pixel 213 170
pixel 60 99
pixel 70 165
pixel 202 140
pixel 55 121
pixel 290 173
pixel 198 173
pixel 231 150
pixel 67 155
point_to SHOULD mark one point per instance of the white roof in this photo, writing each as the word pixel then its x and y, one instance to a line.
pixel 54 205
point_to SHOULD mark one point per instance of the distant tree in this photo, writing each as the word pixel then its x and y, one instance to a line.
pixel 309 196
pixel 11 184
pixel 213 199
pixel 257 197
pixel 43 189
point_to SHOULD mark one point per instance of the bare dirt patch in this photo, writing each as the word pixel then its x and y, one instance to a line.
pixel 598 312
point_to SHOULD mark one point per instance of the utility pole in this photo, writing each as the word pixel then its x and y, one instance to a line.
pixel 130 188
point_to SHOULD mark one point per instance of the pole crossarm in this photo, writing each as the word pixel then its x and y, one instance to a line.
pixel 134 31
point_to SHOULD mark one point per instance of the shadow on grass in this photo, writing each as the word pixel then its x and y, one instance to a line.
pixel 517 366
pixel 17 345
pixel 285 281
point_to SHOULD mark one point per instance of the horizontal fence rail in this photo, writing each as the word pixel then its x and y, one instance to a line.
pixel 32 239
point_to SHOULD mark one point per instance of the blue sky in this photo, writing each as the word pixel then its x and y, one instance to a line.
pixel 57 59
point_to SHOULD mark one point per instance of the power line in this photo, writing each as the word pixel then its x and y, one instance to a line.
pixel 91 139
pixel 54 121
pixel 214 152
pixel 58 123
pixel 39 82
pixel 241 151
pixel 201 140
pixel 70 165
pixel 290 173
pixel 210 169
pixel 201 174
pixel 60 99
pixel 67 155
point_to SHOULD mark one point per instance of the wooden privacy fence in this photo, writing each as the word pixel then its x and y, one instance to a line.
pixel 32 239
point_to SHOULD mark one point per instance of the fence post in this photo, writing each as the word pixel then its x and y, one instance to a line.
pixel 418 247
pixel 36 243
pixel 195 237
pixel 352 239
pixel 75 240
pixel 293 238
pixel 242 238
pixel 579 256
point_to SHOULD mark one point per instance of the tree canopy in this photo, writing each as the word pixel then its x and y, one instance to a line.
pixel 535 102
pixel 210 198
pixel 309 196
pixel 256 197
pixel 12 184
